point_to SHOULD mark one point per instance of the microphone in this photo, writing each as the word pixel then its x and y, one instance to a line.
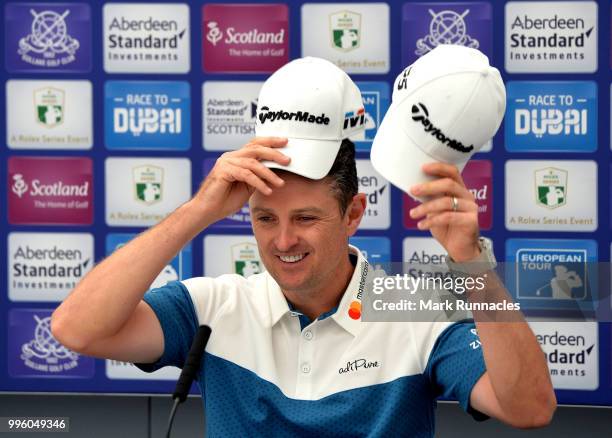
pixel 190 369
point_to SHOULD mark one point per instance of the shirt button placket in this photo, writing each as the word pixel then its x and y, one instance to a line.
pixel 305 365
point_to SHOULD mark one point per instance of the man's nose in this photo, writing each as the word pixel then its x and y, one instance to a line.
pixel 286 238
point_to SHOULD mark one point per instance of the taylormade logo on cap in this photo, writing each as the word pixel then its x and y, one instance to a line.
pixel 445 107
pixel 315 117
pixel 298 116
pixel 420 114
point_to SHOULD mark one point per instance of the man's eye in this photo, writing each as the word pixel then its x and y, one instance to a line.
pixel 307 218
pixel 264 218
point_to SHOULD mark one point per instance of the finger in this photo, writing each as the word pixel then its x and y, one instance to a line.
pixel 259 152
pixel 242 174
pixel 258 169
pixel 440 205
pixel 443 170
pixel 441 187
pixel 447 218
pixel 271 142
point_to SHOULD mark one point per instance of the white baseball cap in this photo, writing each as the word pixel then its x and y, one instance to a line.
pixel 315 105
pixel 444 108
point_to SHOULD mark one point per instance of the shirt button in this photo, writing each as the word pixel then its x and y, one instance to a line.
pixel 308 335
pixel 305 368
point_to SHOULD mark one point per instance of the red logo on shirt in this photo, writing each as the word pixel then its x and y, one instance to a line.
pixel 355 310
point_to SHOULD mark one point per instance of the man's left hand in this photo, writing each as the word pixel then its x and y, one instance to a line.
pixel 455 229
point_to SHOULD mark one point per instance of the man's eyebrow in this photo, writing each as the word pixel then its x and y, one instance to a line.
pixel 262 210
pixel 315 210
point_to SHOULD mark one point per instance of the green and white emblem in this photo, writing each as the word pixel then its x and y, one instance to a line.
pixel 148 184
pixel 49 104
pixel 345 30
pixel 551 187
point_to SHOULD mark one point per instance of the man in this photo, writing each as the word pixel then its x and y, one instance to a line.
pixel 289 354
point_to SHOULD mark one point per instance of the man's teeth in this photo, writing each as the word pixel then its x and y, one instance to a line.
pixel 292 258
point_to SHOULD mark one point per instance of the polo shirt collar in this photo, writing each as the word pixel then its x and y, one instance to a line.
pixel 279 306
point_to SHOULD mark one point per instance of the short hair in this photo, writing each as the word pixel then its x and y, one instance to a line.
pixel 343 175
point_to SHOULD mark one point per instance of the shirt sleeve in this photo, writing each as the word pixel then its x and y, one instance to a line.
pixel 174 308
pixel 456 363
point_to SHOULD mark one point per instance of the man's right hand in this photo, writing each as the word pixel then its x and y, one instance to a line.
pixel 237 174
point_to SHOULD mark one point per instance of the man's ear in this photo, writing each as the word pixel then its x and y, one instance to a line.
pixel 355 212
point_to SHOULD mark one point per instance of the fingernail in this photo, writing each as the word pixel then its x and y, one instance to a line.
pixel 412 212
pixel 420 224
pixel 415 189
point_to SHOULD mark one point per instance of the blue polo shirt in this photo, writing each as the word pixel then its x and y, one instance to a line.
pixel 265 374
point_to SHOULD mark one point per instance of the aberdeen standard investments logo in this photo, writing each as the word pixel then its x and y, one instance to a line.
pixel 551 116
pixel 147 115
pixel 551 37
pixel 146 38
pixel 50 191
pixel 47 37
pixel 229 113
pixel 245 38
pixel 46 266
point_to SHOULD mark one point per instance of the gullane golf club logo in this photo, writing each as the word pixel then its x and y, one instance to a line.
pixel 49 42
pixel 446 27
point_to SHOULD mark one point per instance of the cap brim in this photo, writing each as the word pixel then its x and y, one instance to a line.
pixel 309 158
pixel 396 157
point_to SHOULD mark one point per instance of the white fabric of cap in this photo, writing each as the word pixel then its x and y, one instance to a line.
pixel 307 100
pixel 444 108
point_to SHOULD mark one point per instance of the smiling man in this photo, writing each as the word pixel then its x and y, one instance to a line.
pixel 289 354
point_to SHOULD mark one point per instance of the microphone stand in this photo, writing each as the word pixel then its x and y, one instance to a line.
pixel 190 369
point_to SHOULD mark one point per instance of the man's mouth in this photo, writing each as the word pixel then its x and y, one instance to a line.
pixel 292 258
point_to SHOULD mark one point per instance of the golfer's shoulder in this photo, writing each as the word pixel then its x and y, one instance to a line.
pixel 227 290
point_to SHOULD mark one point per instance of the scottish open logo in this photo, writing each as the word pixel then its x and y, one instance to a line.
pixel 345 30
pixel 245 259
pixel 148 184
pixel 551 187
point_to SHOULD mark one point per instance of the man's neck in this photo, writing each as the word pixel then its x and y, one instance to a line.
pixel 316 302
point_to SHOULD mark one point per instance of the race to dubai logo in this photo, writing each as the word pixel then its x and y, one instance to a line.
pixel 49 104
pixel 446 27
pixel 49 42
pixel 148 184
pixel 245 259
pixel 551 187
pixel 551 116
pixel 345 30
pixel 44 353
pixel 147 115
